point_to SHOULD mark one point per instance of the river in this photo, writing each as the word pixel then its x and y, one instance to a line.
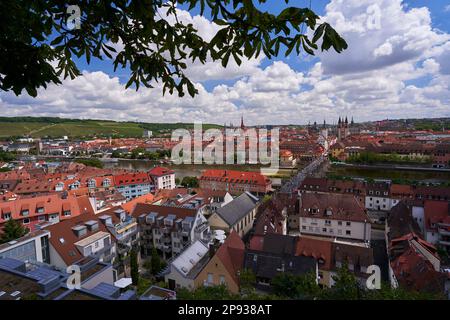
pixel 191 170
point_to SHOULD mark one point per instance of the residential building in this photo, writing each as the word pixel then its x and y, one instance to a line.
pixel 331 215
pixel 162 178
pixel 225 265
pixel 50 208
pixel 103 200
pixel 436 223
pixel 33 247
pixel 237 215
pixel 132 185
pixel 235 182
pixel 169 229
pixel 324 185
pixel 184 269
pixel 401 221
pixel 106 237
pixel 415 266
pixel 266 264
pixel 378 197
pixel 287 159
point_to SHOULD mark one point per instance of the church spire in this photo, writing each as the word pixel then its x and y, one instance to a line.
pixel 242 122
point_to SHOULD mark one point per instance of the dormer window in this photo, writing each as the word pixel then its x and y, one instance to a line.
pixel 25 212
pixel 40 210
pixel 79 230
pixel 106 182
pixel 92 225
pixel 92 183
pixel 6 216
pixel 66 213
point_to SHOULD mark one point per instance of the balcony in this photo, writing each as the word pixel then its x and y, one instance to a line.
pixel 107 249
pixel 125 225
pixel 202 227
pixel 185 233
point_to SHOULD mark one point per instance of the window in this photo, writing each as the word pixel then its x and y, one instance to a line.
pixel 66 213
pixel 41 218
pixel 348 223
pixel 40 210
pixel 25 212
pixel 210 278
pixel 339 223
pixel 96 244
pixel 26 221
pixel 222 279
pixel 339 231
pixel 324 229
pixel 87 251
pixel 348 232
pixel 6 216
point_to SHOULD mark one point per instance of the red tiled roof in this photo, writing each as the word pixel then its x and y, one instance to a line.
pixel 52 203
pixel 255 178
pixel 318 249
pixel 414 272
pixel 146 199
pixel 256 243
pixel 160 171
pixel 231 253
pixel 435 211
pixel 401 189
pixel 343 207
pixel 285 153
pixel 63 238
pixel 131 178
pixel 413 236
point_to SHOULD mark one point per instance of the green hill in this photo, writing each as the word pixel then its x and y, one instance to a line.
pixel 56 127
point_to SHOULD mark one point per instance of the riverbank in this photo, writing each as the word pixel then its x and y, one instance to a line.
pixel 394 173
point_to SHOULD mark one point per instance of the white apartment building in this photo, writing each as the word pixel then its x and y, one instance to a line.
pixel 163 178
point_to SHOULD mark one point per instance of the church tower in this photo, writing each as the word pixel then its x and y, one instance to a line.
pixel 343 130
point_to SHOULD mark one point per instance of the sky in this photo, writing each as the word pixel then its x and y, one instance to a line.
pixel 397 66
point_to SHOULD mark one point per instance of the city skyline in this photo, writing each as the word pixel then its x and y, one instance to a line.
pixel 405 74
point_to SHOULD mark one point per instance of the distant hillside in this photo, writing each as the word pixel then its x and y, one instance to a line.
pixel 39 127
